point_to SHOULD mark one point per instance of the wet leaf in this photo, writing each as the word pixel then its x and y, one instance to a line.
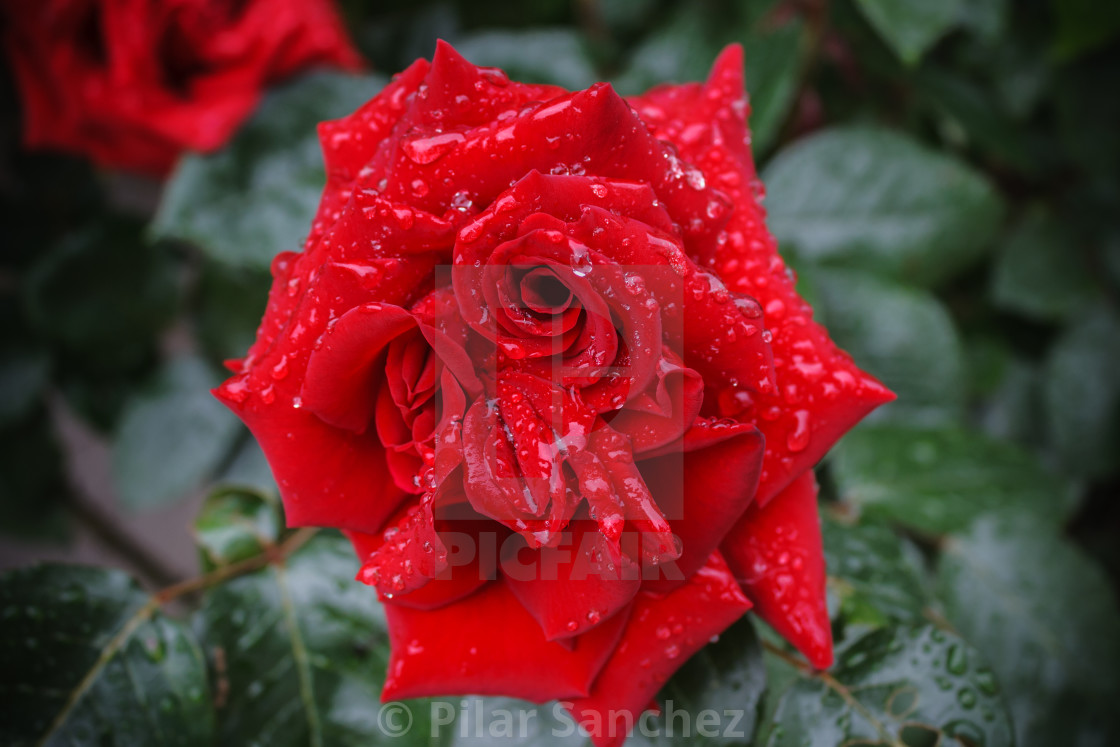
pixel 299 649
pixel 938 480
pixel 910 28
pixel 236 524
pixel 102 295
pixel 1046 618
pixel 896 686
pixel 904 336
pixel 877 200
pixel 172 436
pixel 876 576
pixel 772 61
pixel 1040 273
pixel 88 661
pixel 1082 392
pixel 231 301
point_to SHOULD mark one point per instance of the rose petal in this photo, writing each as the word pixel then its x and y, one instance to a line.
pixel 573 586
pixel 775 552
pixel 703 489
pixel 594 128
pixel 513 450
pixel 411 552
pixel 662 414
pixel 341 383
pixel 619 497
pixel 471 559
pixel 494 648
pixel 822 394
pixel 662 633
pixel 348 143
pixel 328 476
pixel 720 333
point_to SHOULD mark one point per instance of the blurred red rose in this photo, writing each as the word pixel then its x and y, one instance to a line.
pixel 133 83
pixel 542 363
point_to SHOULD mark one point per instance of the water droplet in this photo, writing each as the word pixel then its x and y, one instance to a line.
pixel 461 201
pixel 957 661
pixel 425 150
pixel 695 179
pixel 798 437
pixel 581 260
pixel 966 697
pixel 986 682
pixel 280 370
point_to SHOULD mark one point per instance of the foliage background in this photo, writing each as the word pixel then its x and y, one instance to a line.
pixel 945 178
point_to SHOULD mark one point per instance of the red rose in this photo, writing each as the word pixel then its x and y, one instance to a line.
pixel 133 83
pixel 542 363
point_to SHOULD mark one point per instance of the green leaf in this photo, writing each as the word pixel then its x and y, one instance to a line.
pixel 971 117
pixel 910 28
pixel 249 470
pixel 236 524
pixel 938 480
pixel 103 295
pixel 1046 618
pixel 257 197
pixel 1083 394
pixel 171 437
pixel 904 686
pixel 678 51
pixel 88 660
pixel 904 336
pixel 876 200
pixel 1039 274
pixel 987 18
pixel 623 17
pixel 1013 406
pixel 231 302
pixel 556 56
pixel 303 652
pixel 773 62
pixel 876 577
pixel 685 48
